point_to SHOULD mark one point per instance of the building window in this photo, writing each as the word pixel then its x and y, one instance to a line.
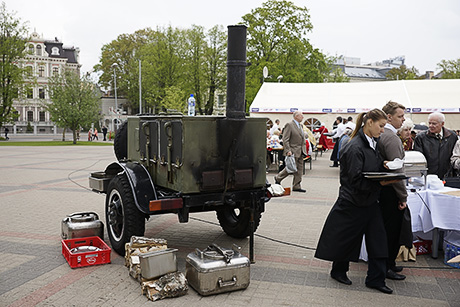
pixel 42 116
pixel 41 71
pixel 30 116
pixel 31 49
pixel 55 71
pixel 41 93
pixel 312 123
pixel 39 50
pixel 30 93
pixel 220 101
pixel 55 51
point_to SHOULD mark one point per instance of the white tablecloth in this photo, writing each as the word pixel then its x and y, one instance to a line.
pixel 431 209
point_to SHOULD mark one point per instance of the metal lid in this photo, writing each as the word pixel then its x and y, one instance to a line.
pixel 414 157
pixel 158 252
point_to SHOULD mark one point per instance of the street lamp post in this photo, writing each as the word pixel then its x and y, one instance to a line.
pixel 115 65
pixel 140 87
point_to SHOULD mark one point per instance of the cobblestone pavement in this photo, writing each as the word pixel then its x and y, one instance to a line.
pixel 39 186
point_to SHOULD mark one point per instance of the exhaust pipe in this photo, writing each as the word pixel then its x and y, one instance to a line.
pixel 236 72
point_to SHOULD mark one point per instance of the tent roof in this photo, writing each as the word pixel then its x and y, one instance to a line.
pixel 418 96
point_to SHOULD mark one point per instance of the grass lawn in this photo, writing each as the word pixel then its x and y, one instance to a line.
pixel 55 143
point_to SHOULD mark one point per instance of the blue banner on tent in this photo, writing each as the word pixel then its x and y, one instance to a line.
pixel 255 110
pixel 351 110
pixel 293 109
pixel 327 110
pixel 414 110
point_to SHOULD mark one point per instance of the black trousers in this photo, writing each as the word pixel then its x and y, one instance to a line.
pixel 334 152
pixel 376 271
pixel 392 219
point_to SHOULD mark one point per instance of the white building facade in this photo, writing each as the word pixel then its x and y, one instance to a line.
pixel 44 59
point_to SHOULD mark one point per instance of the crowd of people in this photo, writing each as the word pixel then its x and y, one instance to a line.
pixel 374 209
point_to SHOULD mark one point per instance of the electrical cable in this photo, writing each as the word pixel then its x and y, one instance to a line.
pixel 262 236
pixel 81 169
pixel 426 206
pixel 311 248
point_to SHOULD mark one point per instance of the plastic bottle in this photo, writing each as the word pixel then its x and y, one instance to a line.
pixel 191 105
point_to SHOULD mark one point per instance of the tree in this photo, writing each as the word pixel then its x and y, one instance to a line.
pixel 186 60
pixel 277 39
pixel 163 62
pixel 216 61
pixel 195 55
pixel 12 50
pixel 450 69
pixel 124 52
pixel 74 101
pixel 402 73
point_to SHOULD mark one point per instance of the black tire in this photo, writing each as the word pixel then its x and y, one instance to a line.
pixel 235 222
pixel 120 143
pixel 122 217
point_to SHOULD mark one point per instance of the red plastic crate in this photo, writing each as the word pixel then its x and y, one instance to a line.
pixel 77 260
pixel 423 247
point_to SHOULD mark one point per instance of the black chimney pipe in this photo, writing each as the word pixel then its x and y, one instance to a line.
pixel 236 72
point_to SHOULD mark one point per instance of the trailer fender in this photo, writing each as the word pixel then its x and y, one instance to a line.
pixel 139 180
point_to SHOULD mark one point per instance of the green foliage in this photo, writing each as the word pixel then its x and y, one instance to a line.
pixel 402 73
pixel 277 39
pixel 74 101
pixel 29 128
pixel 186 60
pixel 450 69
pixel 12 42
pixel 174 99
pixel 337 75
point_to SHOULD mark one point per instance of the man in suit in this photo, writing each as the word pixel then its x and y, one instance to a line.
pixel 294 144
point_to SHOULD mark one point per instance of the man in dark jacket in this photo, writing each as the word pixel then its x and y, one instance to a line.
pixel 436 144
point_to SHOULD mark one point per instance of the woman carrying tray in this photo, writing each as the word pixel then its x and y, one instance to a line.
pixel 356 211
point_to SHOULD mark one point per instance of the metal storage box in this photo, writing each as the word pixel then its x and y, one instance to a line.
pixel 157 263
pixel 99 181
pixel 217 270
pixel 192 154
pixel 82 224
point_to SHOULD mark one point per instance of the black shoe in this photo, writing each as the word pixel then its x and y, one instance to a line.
pixel 342 279
pixel 396 269
pixel 383 289
pixel 277 182
pixel 300 190
pixel 395 276
pixel 334 165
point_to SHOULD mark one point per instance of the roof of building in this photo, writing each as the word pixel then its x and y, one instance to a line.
pixel 423 96
pixel 363 72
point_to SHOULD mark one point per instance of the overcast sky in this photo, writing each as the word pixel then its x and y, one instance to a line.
pixel 424 31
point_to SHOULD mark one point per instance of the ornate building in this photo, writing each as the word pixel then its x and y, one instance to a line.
pixel 44 58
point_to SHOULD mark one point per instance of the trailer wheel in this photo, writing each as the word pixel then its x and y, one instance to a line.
pixel 235 222
pixel 120 143
pixel 122 217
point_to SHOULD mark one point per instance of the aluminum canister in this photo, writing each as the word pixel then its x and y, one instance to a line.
pixel 82 224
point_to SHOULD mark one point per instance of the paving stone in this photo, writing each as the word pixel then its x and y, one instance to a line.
pixel 36 193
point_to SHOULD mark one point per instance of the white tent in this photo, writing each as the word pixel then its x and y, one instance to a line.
pixel 325 101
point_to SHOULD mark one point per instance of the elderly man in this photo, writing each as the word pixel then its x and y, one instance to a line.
pixel 436 144
pixel 294 144
pixel 393 198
